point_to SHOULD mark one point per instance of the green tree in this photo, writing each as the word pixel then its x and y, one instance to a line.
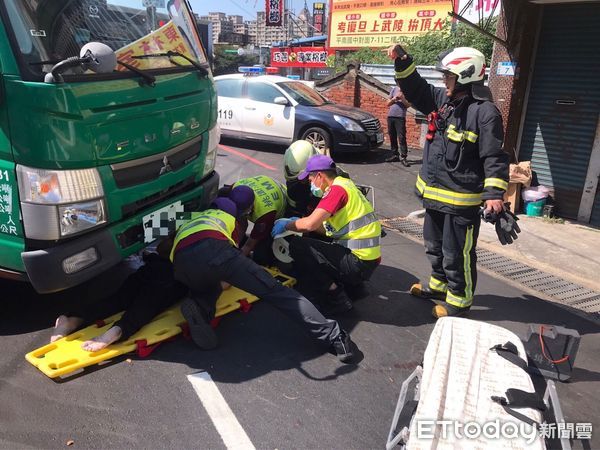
pixel 228 62
pixel 425 48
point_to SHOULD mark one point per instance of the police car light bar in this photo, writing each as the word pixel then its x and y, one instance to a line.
pixel 251 70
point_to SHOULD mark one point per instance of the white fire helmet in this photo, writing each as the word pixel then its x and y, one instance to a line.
pixel 467 63
pixel 295 158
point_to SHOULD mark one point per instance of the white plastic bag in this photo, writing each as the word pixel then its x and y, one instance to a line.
pixel 535 193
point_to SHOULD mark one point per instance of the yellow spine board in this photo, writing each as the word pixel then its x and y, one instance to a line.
pixel 66 355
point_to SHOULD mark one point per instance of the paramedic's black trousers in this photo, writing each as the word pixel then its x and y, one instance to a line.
pixel 450 242
pixel 322 263
pixel 203 265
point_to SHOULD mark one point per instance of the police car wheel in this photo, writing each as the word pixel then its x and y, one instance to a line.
pixel 318 137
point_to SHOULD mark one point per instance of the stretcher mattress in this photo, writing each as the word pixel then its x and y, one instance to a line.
pixel 460 375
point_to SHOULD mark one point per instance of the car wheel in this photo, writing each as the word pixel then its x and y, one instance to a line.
pixel 318 137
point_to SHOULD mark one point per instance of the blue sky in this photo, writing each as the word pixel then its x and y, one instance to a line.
pixel 246 8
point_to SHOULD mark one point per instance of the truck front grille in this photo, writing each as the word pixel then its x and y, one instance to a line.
pixel 143 170
pixel 133 208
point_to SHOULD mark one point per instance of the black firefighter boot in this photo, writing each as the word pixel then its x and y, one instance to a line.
pixel 418 290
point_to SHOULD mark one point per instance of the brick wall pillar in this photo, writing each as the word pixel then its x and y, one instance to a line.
pixel 518 24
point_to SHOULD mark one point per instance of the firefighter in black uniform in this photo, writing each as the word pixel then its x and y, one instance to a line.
pixel 464 166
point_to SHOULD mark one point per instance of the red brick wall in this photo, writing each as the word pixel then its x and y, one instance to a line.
pixel 510 92
pixel 353 91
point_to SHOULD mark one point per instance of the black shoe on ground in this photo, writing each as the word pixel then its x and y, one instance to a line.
pixel 357 291
pixel 202 333
pixel 404 161
pixel 394 158
pixel 335 302
pixel 418 290
pixel 343 347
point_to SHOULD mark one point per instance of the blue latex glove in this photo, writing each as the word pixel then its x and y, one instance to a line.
pixel 280 224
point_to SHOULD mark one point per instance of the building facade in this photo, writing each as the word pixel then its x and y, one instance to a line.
pixel 546 82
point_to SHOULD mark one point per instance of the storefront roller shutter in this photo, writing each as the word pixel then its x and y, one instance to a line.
pixel 564 102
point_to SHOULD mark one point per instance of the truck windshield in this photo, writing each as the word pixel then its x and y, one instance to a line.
pixel 44 32
pixel 303 94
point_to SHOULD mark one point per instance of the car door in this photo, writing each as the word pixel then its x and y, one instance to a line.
pixel 263 118
pixel 229 115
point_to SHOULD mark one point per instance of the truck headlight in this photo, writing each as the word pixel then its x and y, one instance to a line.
pixel 59 203
pixel 348 124
pixel 214 136
pixel 77 217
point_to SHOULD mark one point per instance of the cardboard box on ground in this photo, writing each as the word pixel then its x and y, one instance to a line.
pixel 520 175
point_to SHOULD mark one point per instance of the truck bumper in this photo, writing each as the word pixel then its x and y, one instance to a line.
pixel 45 267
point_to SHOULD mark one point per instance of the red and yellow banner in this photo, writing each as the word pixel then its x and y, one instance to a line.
pixel 301 57
pixel 379 23
pixel 274 13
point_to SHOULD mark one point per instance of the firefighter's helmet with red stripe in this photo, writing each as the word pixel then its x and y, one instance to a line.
pixel 467 63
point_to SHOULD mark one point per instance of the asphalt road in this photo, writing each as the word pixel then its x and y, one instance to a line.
pixel 281 389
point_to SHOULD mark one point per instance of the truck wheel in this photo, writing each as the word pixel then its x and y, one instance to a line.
pixel 318 137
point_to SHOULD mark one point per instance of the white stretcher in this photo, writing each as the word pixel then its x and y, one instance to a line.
pixel 454 386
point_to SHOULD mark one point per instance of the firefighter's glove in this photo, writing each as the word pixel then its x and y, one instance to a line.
pixel 279 226
pixel 506 227
pixel 403 60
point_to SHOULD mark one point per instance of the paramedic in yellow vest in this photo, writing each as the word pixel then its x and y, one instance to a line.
pixel 205 254
pixel 262 200
pixel 348 219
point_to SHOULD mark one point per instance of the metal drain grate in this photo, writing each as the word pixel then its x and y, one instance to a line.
pixel 565 292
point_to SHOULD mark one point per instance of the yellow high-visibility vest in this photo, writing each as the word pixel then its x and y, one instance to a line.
pixel 355 226
pixel 209 220
pixel 269 196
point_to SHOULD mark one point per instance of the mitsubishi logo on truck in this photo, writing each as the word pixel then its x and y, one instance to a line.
pixel 166 167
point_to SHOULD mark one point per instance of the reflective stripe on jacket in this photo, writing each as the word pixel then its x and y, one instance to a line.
pixel 355 225
pixel 269 196
pixel 464 163
pixel 211 219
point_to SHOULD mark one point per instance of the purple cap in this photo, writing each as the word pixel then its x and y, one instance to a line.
pixel 224 204
pixel 242 196
pixel 316 163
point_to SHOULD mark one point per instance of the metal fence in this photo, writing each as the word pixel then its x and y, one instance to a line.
pixel 385 73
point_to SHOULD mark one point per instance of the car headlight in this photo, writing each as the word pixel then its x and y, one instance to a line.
pixel 59 203
pixel 214 137
pixel 348 124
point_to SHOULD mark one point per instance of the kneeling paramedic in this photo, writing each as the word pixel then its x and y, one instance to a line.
pixel 261 200
pixel 463 165
pixel 347 217
pixel 205 253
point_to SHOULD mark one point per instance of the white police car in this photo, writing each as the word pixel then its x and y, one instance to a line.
pixel 281 110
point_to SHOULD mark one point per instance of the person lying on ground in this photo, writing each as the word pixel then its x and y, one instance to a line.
pixel 143 295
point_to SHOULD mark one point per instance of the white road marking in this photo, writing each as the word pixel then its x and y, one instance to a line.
pixel 220 413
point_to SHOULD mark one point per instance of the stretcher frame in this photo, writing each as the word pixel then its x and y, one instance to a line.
pixel 401 437
pixel 64 357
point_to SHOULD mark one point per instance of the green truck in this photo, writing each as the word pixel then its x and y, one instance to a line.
pixel 108 131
